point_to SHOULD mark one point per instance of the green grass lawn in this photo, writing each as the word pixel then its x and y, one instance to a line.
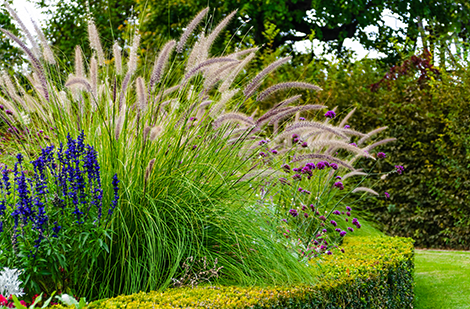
pixel 442 279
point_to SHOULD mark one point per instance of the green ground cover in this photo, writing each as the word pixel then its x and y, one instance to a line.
pixel 442 279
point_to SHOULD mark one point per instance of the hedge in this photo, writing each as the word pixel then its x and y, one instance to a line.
pixel 374 272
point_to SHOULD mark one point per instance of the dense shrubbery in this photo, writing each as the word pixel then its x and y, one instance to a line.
pixel 427 110
pixel 373 272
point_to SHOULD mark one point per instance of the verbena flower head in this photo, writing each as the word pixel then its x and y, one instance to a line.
pixel 381 155
pixel 347 126
pixel 400 169
pixel 330 114
pixel 320 165
pixel 293 212
pixel 387 195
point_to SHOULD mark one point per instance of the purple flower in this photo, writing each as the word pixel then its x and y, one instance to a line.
pixel 330 114
pixel 381 155
pixel 333 222
pixel 323 218
pixel 283 181
pixel 285 220
pixel 320 165
pixel 293 212
pixel 194 147
pixel 306 191
pixel 296 140
pixel 339 185
pixel 329 253
pixel 304 144
pixel 350 229
pixel 346 219
pixel 342 250
pixel 342 233
pixel 324 230
pixel 295 135
pixel 338 229
pixel 1 107
pixel 312 207
pixel 306 215
pixel 286 168
pixel 387 195
pixel 306 170
pixel 297 177
pixel 192 119
pixel 274 151
pixel 400 169
pixel 262 142
pixel 311 166
pixel 347 126
pixel 336 212
pixel 348 214
pixel 9 112
pixel 300 189
pixel 334 166
pixel 296 169
pixel 338 177
pixel 304 207
pixel 353 144
pixel 262 154
pixel 301 118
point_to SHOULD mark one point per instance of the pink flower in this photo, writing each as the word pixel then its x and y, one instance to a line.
pixel 3 300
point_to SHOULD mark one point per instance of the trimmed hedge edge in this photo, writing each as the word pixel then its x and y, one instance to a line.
pixel 374 272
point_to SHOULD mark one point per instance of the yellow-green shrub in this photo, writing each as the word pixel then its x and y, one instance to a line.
pixel 374 272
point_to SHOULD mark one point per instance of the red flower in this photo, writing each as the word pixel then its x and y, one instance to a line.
pixel 3 300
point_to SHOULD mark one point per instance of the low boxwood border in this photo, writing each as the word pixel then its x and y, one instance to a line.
pixel 374 272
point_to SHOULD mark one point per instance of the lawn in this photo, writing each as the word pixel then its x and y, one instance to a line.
pixel 442 279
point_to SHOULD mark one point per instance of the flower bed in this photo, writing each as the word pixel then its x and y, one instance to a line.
pixel 374 272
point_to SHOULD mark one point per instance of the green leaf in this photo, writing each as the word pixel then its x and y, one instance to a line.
pixel 18 305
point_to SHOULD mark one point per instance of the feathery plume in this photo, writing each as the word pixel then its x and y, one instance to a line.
pixel 34 61
pixel 149 169
pixel 287 101
pixel 146 132
pixel 266 93
pixel 308 125
pixel 338 144
pixel 79 68
pixel 384 141
pixel 263 173
pixel 80 81
pixel 118 128
pixel 94 77
pixel 215 33
pixel 351 132
pixel 205 64
pixel 132 64
pixel 345 119
pixel 47 51
pixel 255 83
pixel 141 93
pixel 238 54
pixel 28 34
pixel 189 29
pixel 323 157
pixel 94 38
pixel 365 189
pixel 234 73
pixel 160 63
pixel 155 132
pixel 239 117
pixel 117 58
pixel 292 110
pixel 354 173
pixel 125 84
pixel 370 134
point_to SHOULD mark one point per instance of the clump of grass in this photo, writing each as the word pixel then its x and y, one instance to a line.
pixel 187 164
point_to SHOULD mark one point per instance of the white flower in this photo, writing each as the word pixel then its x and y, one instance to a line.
pixel 9 282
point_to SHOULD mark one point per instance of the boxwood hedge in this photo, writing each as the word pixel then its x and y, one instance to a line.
pixel 374 272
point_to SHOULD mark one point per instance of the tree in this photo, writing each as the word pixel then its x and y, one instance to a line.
pixel 280 22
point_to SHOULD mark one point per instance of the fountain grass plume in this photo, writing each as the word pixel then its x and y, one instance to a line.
pixel 160 63
pixel 365 189
pixel 384 141
pixel 282 114
pixel 47 51
pixel 255 82
pixel 345 119
pixel 95 42
pixel 117 58
pixel 35 47
pixel 37 66
pixel 306 126
pixel 370 134
pixel 79 67
pixel 190 28
pixel 354 173
pixel 268 92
